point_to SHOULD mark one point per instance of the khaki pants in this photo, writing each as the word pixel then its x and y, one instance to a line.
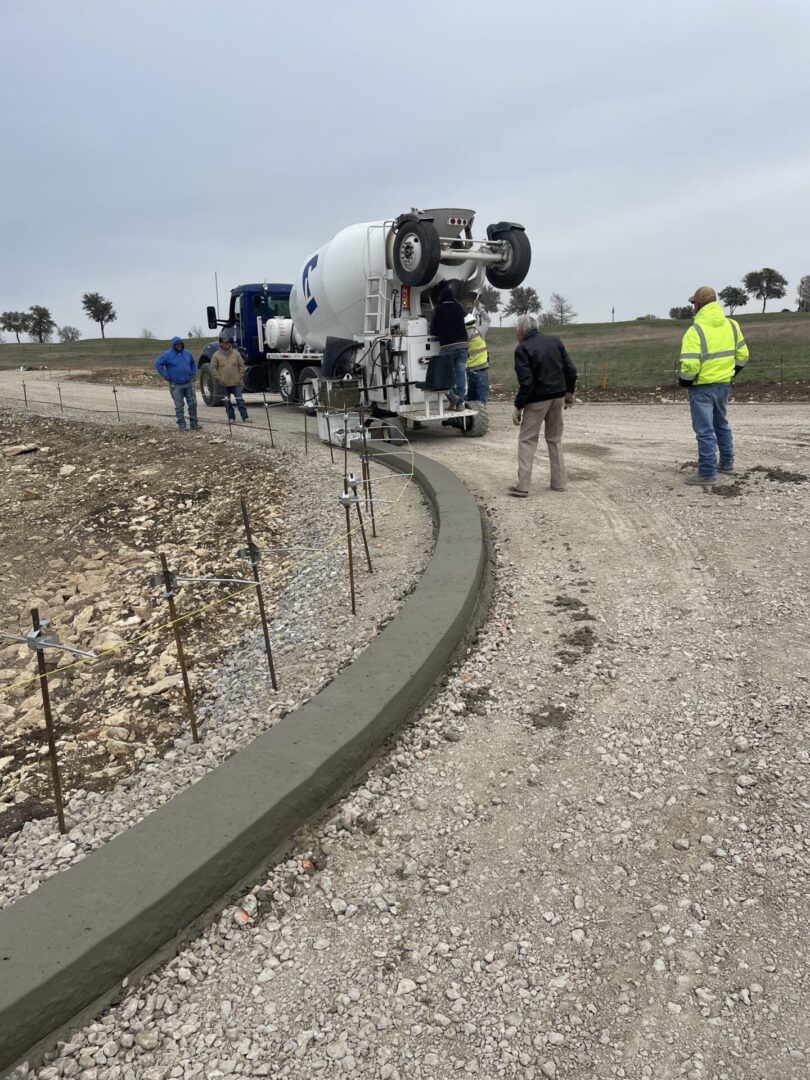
pixel 534 416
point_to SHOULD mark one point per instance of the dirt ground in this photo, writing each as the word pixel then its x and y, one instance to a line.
pixel 613 850
pixel 84 512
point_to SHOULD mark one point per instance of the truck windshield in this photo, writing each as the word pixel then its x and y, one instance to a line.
pixel 271 307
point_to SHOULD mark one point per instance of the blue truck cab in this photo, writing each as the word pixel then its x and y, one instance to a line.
pixel 278 372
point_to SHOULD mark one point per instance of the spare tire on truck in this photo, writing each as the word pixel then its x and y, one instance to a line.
pixel 511 273
pixel 417 251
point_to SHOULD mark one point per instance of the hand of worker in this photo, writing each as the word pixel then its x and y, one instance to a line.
pixel 517 416
pixel 569 401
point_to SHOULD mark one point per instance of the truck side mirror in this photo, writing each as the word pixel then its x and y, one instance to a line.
pixel 212 318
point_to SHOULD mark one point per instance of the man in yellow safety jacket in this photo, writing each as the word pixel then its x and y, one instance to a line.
pixel 477 324
pixel 713 351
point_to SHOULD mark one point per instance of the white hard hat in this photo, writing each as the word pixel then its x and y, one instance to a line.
pixel 470 320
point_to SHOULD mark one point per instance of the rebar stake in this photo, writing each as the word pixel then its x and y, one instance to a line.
pixel 59 392
pixel 353 486
pixel 42 669
pixel 329 437
pixel 25 395
pixel 306 434
pixel 181 656
pixel 349 542
pixel 267 415
pixel 115 399
pixel 253 555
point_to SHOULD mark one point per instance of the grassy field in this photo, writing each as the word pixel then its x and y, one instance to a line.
pixel 623 354
pixel 640 354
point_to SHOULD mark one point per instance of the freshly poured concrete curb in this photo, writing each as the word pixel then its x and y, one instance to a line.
pixel 67 946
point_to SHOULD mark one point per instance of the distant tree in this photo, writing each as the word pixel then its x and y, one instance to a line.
pixel 765 284
pixel 489 299
pixel 41 324
pixel 16 322
pixel 522 301
pixel 196 331
pixel 69 333
pixel 733 297
pixel 803 293
pixel 684 312
pixel 99 309
pixel 560 310
pixel 651 318
pixel 147 335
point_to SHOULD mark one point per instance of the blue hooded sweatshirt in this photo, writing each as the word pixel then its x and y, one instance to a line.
pixel 176 367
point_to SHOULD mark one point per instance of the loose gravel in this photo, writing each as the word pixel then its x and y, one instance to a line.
pixel 588 857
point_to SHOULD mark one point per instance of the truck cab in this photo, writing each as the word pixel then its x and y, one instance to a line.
pixel 250 307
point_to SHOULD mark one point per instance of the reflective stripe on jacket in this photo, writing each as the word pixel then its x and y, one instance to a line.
pixel 477 354
pixel 712 347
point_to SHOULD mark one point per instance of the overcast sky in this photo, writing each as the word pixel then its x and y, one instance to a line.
pixel 647 148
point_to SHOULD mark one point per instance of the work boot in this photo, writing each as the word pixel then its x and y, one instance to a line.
pixel 517 492
pixel 701 481
pixel 726 468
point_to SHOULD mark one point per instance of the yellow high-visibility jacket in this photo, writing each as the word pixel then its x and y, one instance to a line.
pixel 477 354
pixel 712 347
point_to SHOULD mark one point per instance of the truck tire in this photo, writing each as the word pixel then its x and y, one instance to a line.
pixel 307 399
pixel 254 381
pixel 515 269
pixel 417 251
pixel 475 426
pixel 393 431
pixel 210 389
pixel 288 382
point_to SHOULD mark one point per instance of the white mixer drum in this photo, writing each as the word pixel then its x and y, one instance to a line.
pixel 329 295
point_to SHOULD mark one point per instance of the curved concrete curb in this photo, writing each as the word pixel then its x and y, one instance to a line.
pixel 65 949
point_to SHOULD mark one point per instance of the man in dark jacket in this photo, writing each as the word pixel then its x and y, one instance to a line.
pixel 178 367
pixel 547 380
pixel 448 326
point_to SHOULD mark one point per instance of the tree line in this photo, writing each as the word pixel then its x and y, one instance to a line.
pixel 765 284
pixel 40 325
pixel 524 300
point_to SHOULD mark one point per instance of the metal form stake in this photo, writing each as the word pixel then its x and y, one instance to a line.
pixel 59 392
pixel 353 486
pixel 39 641
pixel 181 656
pixel 329 437
pixel 306 439
pixel 267 414
pixel 115 398
pixel 25 395
pixel 346 500
pixel 46 708
pixel 252 553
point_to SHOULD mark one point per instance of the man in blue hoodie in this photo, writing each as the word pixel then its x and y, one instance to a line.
pixel 178 367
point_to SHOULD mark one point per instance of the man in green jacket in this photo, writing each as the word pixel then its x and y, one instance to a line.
pixel 713 351
pixel 228 367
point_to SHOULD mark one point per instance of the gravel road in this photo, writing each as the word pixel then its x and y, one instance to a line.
pixel 588 857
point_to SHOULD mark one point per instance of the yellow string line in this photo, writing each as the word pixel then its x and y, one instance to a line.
pixel 155 630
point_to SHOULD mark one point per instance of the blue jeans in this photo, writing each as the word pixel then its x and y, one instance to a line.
pixel 458 355
pixel 708 405
pixel 478 384
pixel 240 402
pixel 179 395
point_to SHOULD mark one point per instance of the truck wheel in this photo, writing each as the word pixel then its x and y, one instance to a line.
pixel 475 426
pixel 519 258
pixel 209 387
pixel 308 399
pixel 417 251
pixel 393 431
pixel 254 381
pixel 287 382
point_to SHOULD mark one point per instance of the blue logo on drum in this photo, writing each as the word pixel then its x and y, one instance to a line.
pixel 312 303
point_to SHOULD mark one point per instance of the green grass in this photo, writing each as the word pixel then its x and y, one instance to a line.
pixel 627 353
pixel 645 353
pixel 93 354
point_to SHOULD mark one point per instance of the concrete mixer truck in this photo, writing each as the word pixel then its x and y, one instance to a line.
pixel 357 335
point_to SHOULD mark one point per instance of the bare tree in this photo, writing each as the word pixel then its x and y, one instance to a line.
pixel 69 333
pixel 147 335
pixel 803 293
pixel 196 332
pixel 560 310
